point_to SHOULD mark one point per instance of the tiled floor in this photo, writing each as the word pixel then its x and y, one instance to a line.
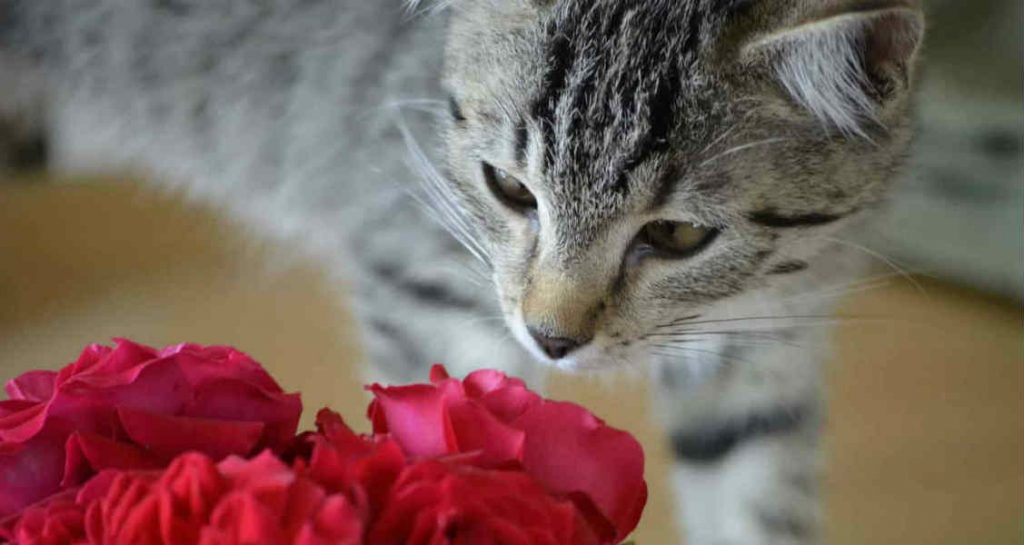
pixel 926 438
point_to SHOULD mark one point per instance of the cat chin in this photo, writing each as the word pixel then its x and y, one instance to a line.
pixel 583 365
pixel 595 359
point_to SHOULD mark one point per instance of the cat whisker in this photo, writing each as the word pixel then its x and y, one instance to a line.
pixel 901 271
pixel 742 337
pixel 687 333
pixel 841 290
pixel 719 358
pixel 743 147
pixel 796 320
pixel 765 318
pixel 440 198
pixel 433 213
pixel 475 276
pixel 431 106
pixel 678 321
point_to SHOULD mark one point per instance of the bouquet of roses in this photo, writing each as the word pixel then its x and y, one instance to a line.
pixel 197 445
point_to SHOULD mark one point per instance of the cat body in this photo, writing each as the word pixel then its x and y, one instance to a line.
pixel 648 182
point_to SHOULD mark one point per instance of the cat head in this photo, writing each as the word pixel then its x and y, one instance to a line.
pixel 629 164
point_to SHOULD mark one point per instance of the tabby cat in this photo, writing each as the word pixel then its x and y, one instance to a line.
pixel 647 183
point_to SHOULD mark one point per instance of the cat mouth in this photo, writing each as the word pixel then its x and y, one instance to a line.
pixel 600 354
pixel 591 357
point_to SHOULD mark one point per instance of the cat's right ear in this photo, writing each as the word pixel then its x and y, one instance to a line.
pixel 845 68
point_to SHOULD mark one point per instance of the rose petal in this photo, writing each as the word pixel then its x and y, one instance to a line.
pixel 476 429
pixel 156 385
pixel 417 418
pixel 168 436
pixel 241 519
pixel 191 488
pixel 344 461
pixel 434 502
pixel 30 472
pixel 570 451
pixel 336 523
pixel 438 373
pixel 230 399
pixel 261 468
pixel 483 381
pixel 348 443
pixel 56 521
pixel 98 486
pixel 121 365
pixel 510 402
pixel 89 453
pixel 32 386
pixel 203 364
pixel 21 420
pixel 89 357
pixel 10 407
pixel 128 512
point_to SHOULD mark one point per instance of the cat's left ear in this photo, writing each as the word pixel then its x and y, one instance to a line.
pixel 844 68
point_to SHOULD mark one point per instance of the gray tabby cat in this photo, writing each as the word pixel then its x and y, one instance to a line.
pixel 654 183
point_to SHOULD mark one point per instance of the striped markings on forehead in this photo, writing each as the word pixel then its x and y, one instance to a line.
pixel 610 96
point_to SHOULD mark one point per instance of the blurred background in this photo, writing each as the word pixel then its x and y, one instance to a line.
pixel 925 443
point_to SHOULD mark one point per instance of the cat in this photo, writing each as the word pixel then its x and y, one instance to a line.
pixel 592 184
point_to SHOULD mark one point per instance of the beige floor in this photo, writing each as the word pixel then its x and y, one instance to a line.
pixel 925 439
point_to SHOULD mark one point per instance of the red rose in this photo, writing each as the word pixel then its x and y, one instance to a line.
pixel 134 407
pixel 58 521
pixel 450 416
pixel 150 507
pixel 363 469
pixel 268 503
pixel 498 421
pixel 434 502
pixel 134 445
pixel 237 502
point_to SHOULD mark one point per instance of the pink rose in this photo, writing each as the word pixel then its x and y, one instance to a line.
pixel 436 502
pixel 133 407
pixel 498 422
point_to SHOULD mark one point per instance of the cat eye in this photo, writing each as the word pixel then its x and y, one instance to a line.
pixel 510 191
pixel 676 239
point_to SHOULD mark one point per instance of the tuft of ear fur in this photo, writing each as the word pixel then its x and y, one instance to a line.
pixel 427 5
pixel 847 68
pixel 438 5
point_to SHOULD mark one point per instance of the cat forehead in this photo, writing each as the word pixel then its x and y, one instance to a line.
pixel 620 89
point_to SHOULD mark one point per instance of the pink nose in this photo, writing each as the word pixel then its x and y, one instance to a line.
pixel 555 347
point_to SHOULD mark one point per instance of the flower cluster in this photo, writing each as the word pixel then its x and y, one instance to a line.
pixel 198 445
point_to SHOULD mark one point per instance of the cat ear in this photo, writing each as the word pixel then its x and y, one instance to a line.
pixel 845 68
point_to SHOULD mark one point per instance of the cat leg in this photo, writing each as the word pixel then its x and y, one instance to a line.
pixel 746 443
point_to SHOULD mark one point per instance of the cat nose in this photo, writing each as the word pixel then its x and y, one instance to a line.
pixel 555 347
